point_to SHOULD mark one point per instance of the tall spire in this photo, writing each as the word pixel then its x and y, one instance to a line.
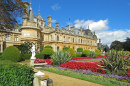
pixel 30 5
pixel 39 9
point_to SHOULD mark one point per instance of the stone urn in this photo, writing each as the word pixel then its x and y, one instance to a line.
pixel 39 66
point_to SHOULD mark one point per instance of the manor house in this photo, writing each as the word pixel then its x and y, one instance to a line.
pixel 34 30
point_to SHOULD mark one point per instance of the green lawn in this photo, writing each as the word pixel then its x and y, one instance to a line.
pixel 89 60
pixel 27 60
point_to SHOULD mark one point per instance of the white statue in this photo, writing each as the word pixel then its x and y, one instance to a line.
pixel 33 52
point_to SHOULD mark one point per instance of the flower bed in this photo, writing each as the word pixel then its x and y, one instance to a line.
pixel 94 62
pixel 49 61
pixel 126 74
pixel 84 66
pixel 101 57
pixel 77 58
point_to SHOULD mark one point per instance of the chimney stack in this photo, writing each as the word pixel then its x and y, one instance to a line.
pixel 49 21
pixel 57 25
pixel 67 27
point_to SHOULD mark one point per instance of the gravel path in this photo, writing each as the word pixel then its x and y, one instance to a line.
pixel 61 80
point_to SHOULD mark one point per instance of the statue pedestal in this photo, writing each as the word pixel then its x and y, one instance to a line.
pixel 32 62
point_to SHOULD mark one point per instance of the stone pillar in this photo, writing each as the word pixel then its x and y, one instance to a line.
pixel 1 46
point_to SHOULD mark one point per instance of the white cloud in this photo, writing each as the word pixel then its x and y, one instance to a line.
pixel 53 21
pixel 102 30
pixel 108 37
pixel 56 7
pixel 93 26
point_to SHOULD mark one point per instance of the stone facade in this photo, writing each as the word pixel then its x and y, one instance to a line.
pixel 33 29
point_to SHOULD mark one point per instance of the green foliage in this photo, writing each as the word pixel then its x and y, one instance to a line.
pixel 47 52
pixel 85 53
pixel 116 62
pixel 98 52
pixel 11 53
pixel 28 56
pixel 12 74
pixel 72 52
pixel 65 48
pixel 79 49
pixel 48 46
pixel 23 48
pixel 60 57
pixel 92 54
pixel 40 56
pixel 78 55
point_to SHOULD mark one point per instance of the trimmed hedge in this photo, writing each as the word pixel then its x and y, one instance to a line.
pixel 28 56
pixel 78 55
pixel 65 48
pixel 79 49
pixel 48 47
pixel 47 52
pixel 72 52
pixel 86 53
pixel 11 53
pixel 98 52
pixel 12 74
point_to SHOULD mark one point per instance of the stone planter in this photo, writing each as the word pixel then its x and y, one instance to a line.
pixel 39 66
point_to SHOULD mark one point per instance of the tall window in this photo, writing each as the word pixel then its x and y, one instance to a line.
pixel 16 38
pixel 51 37
pixel 64 38
pixel 69 39
pixel 7 37
pixel 57 38
pixel 73 47
pixel 73 40
pixel 81 40
pixel 91 42
pixel 42 47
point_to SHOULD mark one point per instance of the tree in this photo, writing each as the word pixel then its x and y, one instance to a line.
pixel 114 44
pixel 23 48
pixel 127 44
pixel 9 11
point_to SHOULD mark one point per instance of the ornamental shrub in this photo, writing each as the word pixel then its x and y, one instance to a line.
pixel 98 52
pixel 12 74
pixel 79 49
pixel 11 53
pixel 60 57
pixel 65 48
pixel 85 53
pixel 92 54
pixel 72 52
pixel 116 62
pixel 48 47
pixel 78 55
pixel 47 52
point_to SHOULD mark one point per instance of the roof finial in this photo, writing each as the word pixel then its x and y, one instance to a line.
pixel 88 26
pixel 30 5
pixel 39 9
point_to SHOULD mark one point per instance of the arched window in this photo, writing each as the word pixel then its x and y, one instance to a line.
pixel 57 48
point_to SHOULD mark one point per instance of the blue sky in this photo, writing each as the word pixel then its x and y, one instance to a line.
pixel 110 19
